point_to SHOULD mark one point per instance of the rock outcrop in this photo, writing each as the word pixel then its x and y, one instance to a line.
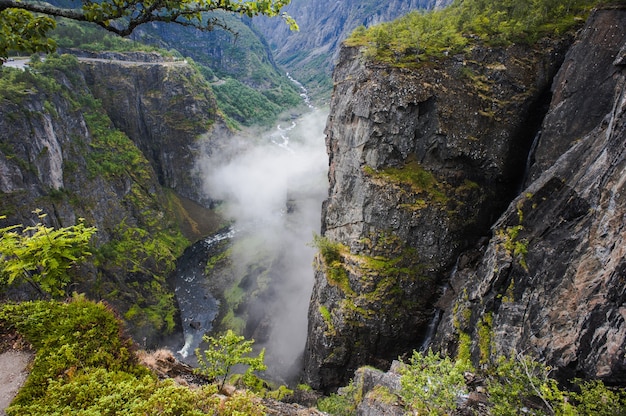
pixel 551 282
pixel 422 161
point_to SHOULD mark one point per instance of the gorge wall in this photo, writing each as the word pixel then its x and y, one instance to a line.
pixel 423 161
pixel 550 283
pixel 61 152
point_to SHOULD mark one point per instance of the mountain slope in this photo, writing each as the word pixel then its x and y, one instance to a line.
pixel 310 54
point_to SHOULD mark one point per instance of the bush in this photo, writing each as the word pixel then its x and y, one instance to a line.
pixel 41 255
pixel 224 353
pixel 432 384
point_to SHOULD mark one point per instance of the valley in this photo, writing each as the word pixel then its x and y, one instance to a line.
pixel 447 206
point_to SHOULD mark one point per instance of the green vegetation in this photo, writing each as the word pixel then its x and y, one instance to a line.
pixel 419 36
pixel 70 338
pixel 84 366
pixel 343 403
pixel 485 333
pixel 431 384
pixel 26 26
pixel 21 30
pixel 42 256
pixel 428 190
pixel 328 320
pixel 381 278
pixel 332 258
pixel 244 105
pixel 510 241
pixel 435 385
pixel 224 353
pixel 138 252
pixel 71 34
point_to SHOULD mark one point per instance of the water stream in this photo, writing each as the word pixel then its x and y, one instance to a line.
pixel 198 307
pixel 438 313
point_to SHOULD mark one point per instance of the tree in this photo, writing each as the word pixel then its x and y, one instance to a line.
pixel 226 352
pixel 24 25
pixel 41 256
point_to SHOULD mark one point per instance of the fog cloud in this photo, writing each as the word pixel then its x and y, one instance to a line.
pixel 275 188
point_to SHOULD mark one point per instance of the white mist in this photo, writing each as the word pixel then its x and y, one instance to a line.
pixel 274 186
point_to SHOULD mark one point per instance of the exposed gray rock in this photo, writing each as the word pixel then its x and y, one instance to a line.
pixel 551 281
pixel 421 162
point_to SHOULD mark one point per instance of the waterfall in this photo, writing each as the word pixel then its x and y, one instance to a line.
pixel 438 313
pixel 432 328
pixel 530 159
pixel 272 189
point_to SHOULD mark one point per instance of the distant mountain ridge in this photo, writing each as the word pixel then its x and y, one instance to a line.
pixel 310 53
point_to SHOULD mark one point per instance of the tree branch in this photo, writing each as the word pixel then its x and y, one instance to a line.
pixel 44 8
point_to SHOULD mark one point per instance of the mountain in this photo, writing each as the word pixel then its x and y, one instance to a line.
pixel 433 209
pixel 248 84
pixel 310 54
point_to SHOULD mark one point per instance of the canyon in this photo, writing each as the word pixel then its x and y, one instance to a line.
pixel 479 196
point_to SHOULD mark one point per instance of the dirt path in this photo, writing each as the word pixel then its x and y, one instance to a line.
pixel 13 373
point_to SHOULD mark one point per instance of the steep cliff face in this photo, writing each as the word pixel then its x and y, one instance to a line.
pixel 421 162
pixel 310 54
pixel 241 57
pixel 165 107
pixel 60 152
pixel 550 283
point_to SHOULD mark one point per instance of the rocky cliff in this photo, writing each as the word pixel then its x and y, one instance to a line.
pixel 165 107
pixel 424 160
pixel 550 283
pixel 61 152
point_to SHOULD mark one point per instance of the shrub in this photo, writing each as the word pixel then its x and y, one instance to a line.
pixel 224 353
pixel 41 255
pixel 432 384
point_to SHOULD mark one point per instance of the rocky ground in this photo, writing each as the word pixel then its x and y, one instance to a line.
pixel 15 357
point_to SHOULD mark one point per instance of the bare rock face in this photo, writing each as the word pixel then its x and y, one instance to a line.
pixel 422 161
pixel 165 107
pixel 551 282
